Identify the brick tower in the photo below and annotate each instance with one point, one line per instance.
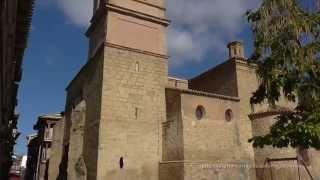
(123, 87)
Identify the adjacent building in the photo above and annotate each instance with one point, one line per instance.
(16, 169)
(15, 20)
(32, 157)
(43, 148)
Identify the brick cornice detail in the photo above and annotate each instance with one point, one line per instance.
(102, 11)
(206, 94)
(149, 4)
(109, 44)
(259, 115)
(137, 14)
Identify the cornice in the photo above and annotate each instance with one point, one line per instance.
(243, 62)
(206, 94)
(109, 44)
(263, 114)
(149, 4)
(137, 14)
(125, 11)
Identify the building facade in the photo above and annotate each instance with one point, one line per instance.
(16, 170)
(15, 20)
(43, 147)
(125, 118)
(32, 156)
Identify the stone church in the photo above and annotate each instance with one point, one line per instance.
(126, 119)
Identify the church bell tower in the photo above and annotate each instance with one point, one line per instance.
(135, 24)
(129, 38)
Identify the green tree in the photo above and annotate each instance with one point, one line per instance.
(287, 57)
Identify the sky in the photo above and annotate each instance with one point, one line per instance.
(57, 48)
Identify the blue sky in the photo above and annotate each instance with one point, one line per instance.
(57, 48)
(56, 51)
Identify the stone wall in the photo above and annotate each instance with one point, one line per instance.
(234, 77)
(56, 150)
(123, 85)
(210, 145)
(133, 109)
(177, 83)
(172, 130)
(173, 170)
(76, 165)
(137, 124)
(314, 157)
(212, 140)
(247, 83)
(287, 168)
(151, 7)
(85, 87)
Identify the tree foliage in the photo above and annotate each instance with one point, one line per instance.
(287, 55)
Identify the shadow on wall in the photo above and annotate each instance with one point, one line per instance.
(63, 174)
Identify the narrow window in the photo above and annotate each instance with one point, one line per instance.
(228, 115)
(200, 112)
(137, 66)
(121, 163)
(252, 108)
(235, 51)
(136, 111)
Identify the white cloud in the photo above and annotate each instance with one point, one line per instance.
(199, 26)
(209, 25)
(78, 12)
(186, 45)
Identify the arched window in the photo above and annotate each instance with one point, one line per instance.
(200, 112)
(121, 162)
(235, 51)
(228, 115)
